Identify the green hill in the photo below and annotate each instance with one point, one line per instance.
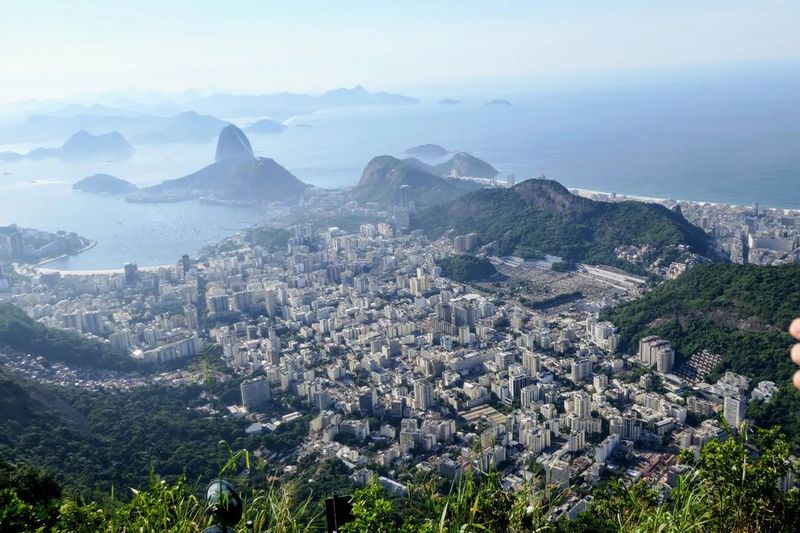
(541, 216)
(20, 333)
(387, 180)
(464, 268)
(740, 312)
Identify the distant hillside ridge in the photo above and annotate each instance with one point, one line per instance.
(541, 216)
(465, 165)
(389, 181)
(81, 145)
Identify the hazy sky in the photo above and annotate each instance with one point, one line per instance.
(52, 48)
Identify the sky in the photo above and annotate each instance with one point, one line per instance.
(55, 48)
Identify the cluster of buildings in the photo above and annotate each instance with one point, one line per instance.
(26, 244)
(745, 234)
(406, 371)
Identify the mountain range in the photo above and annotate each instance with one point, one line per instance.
(187, 118)
(540, 216)
(139, 128)
(236, 174)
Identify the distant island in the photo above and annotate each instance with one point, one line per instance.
(82, 145)
(427, 151)
(104, 184)
(266, 126)
(235, 176)
(499, 103)
(449, 101)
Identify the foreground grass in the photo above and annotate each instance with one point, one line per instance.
(728, 488)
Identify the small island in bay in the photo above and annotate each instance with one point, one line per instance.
(266, 127)
(499, 103)
(427, 151)
(104, 184)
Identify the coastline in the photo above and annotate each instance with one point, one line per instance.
(98, 272)
(92, 244)
(616, 197)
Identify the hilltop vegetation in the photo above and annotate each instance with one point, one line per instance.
(542, 217)
(271, 239)
(20, 333)
(464, 268)
(387, 180)
(740, 312)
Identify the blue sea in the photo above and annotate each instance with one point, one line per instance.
(722, 140)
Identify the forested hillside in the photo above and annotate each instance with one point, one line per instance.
(542, 217)
(741, 312)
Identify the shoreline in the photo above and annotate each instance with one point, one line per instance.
(587, 193)
(98, 271)
(92, 244)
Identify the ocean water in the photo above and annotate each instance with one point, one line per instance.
(721, 141)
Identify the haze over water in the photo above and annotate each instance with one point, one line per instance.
(721, 140)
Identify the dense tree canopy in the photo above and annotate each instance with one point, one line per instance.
(464, 268)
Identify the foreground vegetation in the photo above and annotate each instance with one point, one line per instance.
(729, 487)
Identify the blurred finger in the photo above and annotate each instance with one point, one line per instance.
(796, 354)
(796, 379)
(794, 328)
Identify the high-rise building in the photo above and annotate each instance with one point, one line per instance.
(628, 427)
(255, 392)
(131, 273)
(581, 369)
(73, 321)
(93, 322)
(423, 394)
(529, 395)
(576, 441)
(517, 379)
(600, 382)
(531, 362)
(735, 407)
(580, 405)
(655, 351)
